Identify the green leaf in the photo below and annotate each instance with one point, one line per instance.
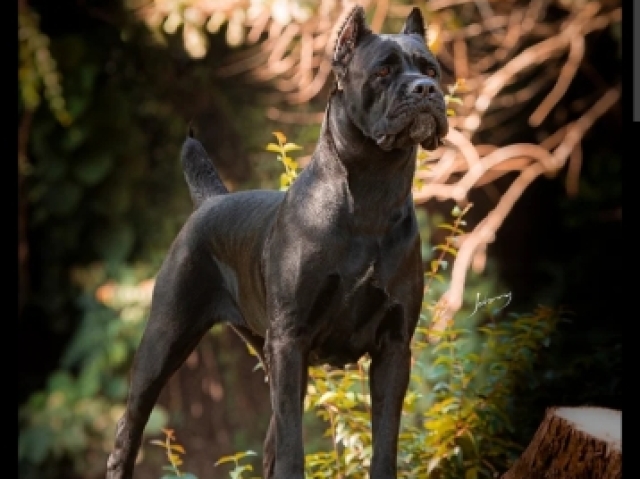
(450, 403)
(237, 472)
(452, 228)
(443, 360)
(290, 163)
(224, 460)
(93, 169)
(291, 147)
(434, 265)
(491, 331)
(326, 397)
(235, 457)
(116, 387)
(60, 380)
(446, 248)
(118, 353)
(88, 384)
(472, 358)
(441, 386)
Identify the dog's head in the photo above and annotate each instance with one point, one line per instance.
(390, 83)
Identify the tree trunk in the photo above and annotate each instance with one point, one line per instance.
(573, 443)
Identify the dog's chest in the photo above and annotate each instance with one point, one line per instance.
(352, 309)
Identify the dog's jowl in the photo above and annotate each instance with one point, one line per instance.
(322, 274)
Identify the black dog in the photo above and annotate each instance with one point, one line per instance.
(324, 273)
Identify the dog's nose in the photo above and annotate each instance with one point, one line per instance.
(422, 87)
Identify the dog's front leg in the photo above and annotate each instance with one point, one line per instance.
(288, 373)
(389, 378)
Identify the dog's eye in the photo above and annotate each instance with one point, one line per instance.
(383, 71)
(430, 72)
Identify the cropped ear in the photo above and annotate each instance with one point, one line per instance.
(351, 32)
(415, 23)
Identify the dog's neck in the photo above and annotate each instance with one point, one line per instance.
(379, 182)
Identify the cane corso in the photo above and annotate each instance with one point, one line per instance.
(324, 273)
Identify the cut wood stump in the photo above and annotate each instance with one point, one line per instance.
(573, 443)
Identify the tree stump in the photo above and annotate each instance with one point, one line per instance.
(573, 443)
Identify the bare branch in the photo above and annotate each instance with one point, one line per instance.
(532, 161)
(576, 54)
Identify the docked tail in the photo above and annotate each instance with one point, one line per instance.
(199, 172)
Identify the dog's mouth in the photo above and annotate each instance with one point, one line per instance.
(412, 125)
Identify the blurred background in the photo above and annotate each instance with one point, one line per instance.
(107, 90)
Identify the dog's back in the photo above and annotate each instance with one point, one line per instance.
(234, 226)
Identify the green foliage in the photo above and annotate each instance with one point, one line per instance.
(37, 70)
(173, 450)
(76, 412)
(238, 469)
(473, 376)
(290, 165)
(105, 196)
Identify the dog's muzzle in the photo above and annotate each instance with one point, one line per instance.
(419, 119)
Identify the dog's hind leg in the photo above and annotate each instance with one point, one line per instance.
(189, 297)
(269, 451)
